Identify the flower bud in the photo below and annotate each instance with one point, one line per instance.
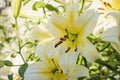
(16, 6)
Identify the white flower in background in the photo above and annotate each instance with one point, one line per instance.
(71, 31)
(104, 6)
(53, 69)
(4, 71)
(2, 3)
(112, 34)
(40, 34)
(27, 12)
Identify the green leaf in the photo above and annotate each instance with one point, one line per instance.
(1, 63)
(25, 2)
(10, 76)
(13, 55)
(95, 77)
(51, 8)
(22, 69)
(38, 5)
(8, 63)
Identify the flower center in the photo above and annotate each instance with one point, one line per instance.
(69, 36)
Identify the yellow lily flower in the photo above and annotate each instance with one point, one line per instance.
(54, 68)
(104, 6)
(71, 32)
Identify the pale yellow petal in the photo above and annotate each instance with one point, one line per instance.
(72, 13)
(67, 61)
(25, 13)
(92, 21)
(85, 22)
(111, 34)
(79, 71)
(89, 51)
(40, 34)
(116, 46)
(57, 24)
(37, 71)
(115, 14)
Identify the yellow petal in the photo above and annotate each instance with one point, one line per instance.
(38, 71)
(57, 24)
(40, 33)
(116, 4)
(72, 13)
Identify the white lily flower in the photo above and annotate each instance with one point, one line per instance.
(104, 6)
(112, 34)
(71, 31)
(54, 69)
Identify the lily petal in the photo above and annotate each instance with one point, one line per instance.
(80, 71)
(50, 47)
(72, 13)
(116, 46)
(115, 14)
(36, 72)
(92, 21)
(86, 22)
(111, 34)
(40, 33)
(89, 51)
(57, 24)
(67, 61)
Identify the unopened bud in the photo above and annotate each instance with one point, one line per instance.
(16, 6)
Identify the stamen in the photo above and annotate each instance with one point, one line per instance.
(75, 49)
(67, 49)
(105, 3)
(109, 5)
(101, 9)
(101, 13)
(61, 71)
(73, 40)
(62, 39)
(58, 43)
(66, 36)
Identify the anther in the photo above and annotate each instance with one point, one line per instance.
(61, 71)
(105, 3)
(65, 36)
(73, 40)
(101, 13)
(75, 49)
(109, 5)
(58, 43)
(62, 39)
(101, 9)
(67, 49)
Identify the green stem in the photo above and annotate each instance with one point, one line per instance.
(81, 9)
(44, 11)
(16, 25)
